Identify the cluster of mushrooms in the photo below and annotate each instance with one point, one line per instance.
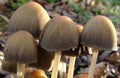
(36, 40)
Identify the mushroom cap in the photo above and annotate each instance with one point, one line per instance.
(75, 52)
(60, 33)
(44, 60)
(37, 74)
(21, 47)
(99, 32)
(30, 17)
(9, 66)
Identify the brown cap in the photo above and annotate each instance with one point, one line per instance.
(21, 47)
(44, 60)
(100, 32)
(30, 17)
(60, 33)
(9, 66)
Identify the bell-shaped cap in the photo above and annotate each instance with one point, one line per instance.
(60, 33)
(30, 17)
(21, 47)
(99, 32)
(76, 51)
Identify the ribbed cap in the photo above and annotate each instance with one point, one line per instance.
(30, 17)
(100, 32)
(60, 33)
(76, 51)
(9, 66)
(21, 47)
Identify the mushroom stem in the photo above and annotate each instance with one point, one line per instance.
(71, 67)
(56, 64)
(12, 75)
(20, 70)
(62, 69)
(93, 63)
(89, 50)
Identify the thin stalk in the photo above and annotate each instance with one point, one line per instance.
(20, 70)
(93, 64)
(71, 67)
(12, 75)
(56, 65)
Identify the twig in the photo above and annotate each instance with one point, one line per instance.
(4, 17)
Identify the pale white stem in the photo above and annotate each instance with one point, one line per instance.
(93, 64)
(23, 70)
(71, 67)
(12, 75)
(90, 50)
(56, 64)
(20, 70)
(62, 69)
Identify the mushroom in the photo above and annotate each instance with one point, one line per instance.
(72, 58)
(9, 67)
(99, 33)
(21, 48)
(30, 17)
(59, 34)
